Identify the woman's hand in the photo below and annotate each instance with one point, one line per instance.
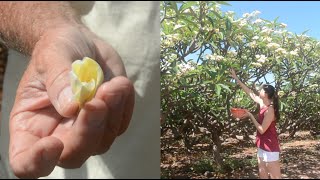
(233, 74)
(247, 114)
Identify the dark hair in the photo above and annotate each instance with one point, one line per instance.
(272, 94)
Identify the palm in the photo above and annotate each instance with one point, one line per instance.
(46, 126)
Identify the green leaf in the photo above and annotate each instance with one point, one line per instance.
(221, 35)
(185, 18)
(211, 20)
(174, 6)
(217, 14)
(183, 81)
(207, 82)
(275, 20)
(212, 74)
(187, 5)
(218, 89)
(228, 24)
(223, 3)
(304, 32)
(225, 87)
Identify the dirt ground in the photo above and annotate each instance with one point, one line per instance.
(300, 159)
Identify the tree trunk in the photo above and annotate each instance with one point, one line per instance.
(216, 148)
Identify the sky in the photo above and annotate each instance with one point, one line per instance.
(298, 15)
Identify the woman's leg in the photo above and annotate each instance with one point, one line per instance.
(263, 173)
(274, 169)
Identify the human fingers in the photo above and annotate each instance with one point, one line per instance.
(33, 157)
(118, 94)
(85, 135)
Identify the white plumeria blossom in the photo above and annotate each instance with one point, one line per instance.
(257, 21)
(314, 86)
(261, 58)
(283, 25)
(255, 37)
(281, 93)
(217, 57)
(279, 32)
(257, 64)
(269, 39)
(294, 53)
(255, 13)
(229, 13)
(273, 45)
(214, 57)
(307, 46)
(184, 67)
(281, 51)
(246, 15)
(86, 76)
(243, 22)
(253, 44)
(232, 52)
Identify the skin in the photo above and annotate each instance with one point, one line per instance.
(47, 128)
(273, 168)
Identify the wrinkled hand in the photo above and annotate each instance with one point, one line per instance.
(46, 126)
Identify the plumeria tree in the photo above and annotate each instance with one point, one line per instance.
(200, 43)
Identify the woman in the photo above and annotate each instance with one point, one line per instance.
(267, 138)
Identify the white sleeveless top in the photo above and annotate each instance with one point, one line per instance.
(133, 29)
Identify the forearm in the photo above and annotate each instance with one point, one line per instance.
(23, 23)
(256, 124)
(244, 87)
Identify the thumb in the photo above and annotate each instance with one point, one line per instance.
(60, 93)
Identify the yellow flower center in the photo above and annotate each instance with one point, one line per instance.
(86, 77)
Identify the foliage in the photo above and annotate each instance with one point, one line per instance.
(203, 165)
(200, 43)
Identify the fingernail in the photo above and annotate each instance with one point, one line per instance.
(65, 96)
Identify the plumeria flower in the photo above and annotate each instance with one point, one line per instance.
(246, 15)
(253, 44)
(257, 21)
(255, 13)
(256, 64)
(255, 37)
(86, 77)
(283, 25)
(281, 93)
(294, 53)
(281, 51)
(273, 45)
(217, 57)
(261, 58)
(232, 53)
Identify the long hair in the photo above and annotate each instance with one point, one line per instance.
(272, 94)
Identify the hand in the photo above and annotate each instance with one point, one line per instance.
(247, 114)
(46, 126)
(233, 74)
